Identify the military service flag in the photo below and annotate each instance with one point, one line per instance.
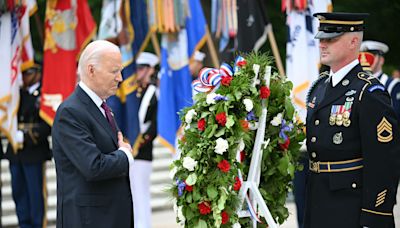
(69, 26)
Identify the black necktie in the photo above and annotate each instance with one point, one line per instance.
(109, 116)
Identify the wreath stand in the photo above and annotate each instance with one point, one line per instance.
(250, 186)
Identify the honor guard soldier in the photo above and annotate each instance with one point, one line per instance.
(379, 49)
(352, 135)
(27, 164)
(146, 79)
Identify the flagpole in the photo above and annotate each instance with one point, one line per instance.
(211, 48)
(156, 45)
(275, 51)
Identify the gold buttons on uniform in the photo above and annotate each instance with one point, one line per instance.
(313, 154)
(354, 185)
(313, 139)
(316, 122)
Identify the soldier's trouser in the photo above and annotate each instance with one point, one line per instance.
(27, 192)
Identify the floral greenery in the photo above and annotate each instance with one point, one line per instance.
(218, 138)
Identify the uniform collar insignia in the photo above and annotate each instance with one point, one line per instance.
(345, 82)
(350, 92)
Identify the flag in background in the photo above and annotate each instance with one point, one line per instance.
(126, 23)
(69, 26)
(15, 46)
(27, 49)
(175, 78)
(302, 51)
(252, 25)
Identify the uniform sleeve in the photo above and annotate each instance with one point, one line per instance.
(75, 141)
(151, 132)
(380, 149)
(38, 134)
(395, 94)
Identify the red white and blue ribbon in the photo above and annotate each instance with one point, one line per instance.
(239, 62)
(210, 78)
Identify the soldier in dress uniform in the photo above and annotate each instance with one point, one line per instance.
(352, 135)
(379, 49)
(27, 164)
(146, 76)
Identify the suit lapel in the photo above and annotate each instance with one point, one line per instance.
(338, 91)
(96, 114)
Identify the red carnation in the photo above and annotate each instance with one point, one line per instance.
(204, 208)
(201, 125)
(264, 92)
(225, 217)
(242, 155)
(285, 146)
(224, 166)
(237, 185)
(221, 118)
(226, 80)
(245, 125)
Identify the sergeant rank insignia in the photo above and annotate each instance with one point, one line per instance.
(384, 131)
(340, 114)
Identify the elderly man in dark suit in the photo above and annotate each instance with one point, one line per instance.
(352, 135)
(93, 163)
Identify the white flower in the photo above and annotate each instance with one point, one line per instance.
(236, 225)
(249, 104)
(189, 163)
(189, 116)
(240, 149)
(172, 172)
(211, 98)
(277, 120)
(221, 146)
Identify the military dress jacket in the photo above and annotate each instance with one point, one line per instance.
(353, 146)
(393, 87)
(36, 131)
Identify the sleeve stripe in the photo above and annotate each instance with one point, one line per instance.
(377, 212)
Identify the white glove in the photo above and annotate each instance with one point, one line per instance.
(19, 136)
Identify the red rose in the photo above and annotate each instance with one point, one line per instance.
(201, 125)
(224, 166)
(221, 118)
(245, 125)
(242, 155)
(285, 146)
(226, 80)
(264, 92)
(204, 208)
(189, 188)
(225, 217)
(237, 185)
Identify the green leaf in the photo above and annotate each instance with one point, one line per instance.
(196, 194)
(189, 198)
(210, 131)
(229, 122)
(191, 179)
(220, 132)
(212, 192)
(289, 108)
(201, 224)
(188, 213)
(283, 165)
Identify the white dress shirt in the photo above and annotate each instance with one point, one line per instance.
(340, 74)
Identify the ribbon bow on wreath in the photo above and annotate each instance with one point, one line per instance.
(210, 79)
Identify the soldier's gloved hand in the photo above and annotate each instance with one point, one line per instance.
(20, 136)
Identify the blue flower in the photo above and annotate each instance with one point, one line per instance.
(285, 128)
(251, 116)
(181, 186)
(220, 98)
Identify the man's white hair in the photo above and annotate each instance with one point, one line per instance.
(92, 53)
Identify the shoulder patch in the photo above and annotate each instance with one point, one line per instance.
(376, 87)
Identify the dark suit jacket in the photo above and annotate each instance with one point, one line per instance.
(361, 197)
(92, 174)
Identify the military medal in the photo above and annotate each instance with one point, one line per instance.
(332, 117)
(337, 138)
(339, 120)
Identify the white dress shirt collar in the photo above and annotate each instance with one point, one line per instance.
(340, 74)
(95, 98)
